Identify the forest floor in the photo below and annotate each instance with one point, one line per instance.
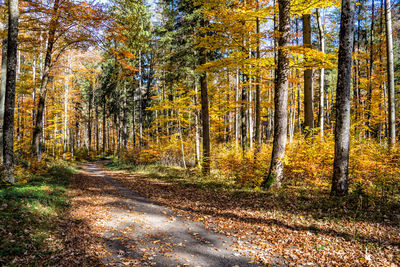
(107, 213)
(137, 231)
(290, 227)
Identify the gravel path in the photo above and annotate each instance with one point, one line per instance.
(142, 233)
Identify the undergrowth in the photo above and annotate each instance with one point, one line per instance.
(31, 210)
(374, 176)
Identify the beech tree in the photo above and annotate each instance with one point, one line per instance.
(275, 175)
(8, 128)
(340, 180)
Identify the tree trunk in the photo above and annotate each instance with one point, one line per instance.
(370, 71)
(125, 121)
(308, 78)
(237, 109)
(205, 112)
(243, 117)
(275, 175)
(258, 90)
(321, 113)
(390, 75)
(3, 87)
(38, 129)
(250, 115)
(9, 104)
(89, 124)
(342, 129)
(197, 134)
(104, 128)
(140, 102)
(65, 147)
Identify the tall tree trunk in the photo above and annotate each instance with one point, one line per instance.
(8, 128)
(390, 75)
(250, 115)
(134, 121)
(205, 112)
(321, 113)
(243, 111)
(65, 147)
(125, 121)
(89, 123)
(197, 134)
(38, 129)
(275, 174)
(371, 64)
(298, 84)
(140, 102)
(308, 77)
(96, 112)
(3, 87)
(237, 109)
(258, 89)
(104, 127)
(340, 178)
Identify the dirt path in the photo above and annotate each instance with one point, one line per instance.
(141, 232)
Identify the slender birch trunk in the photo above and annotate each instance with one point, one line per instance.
(390, 75)
(321, 113)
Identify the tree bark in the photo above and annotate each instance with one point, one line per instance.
(237, 109)
(308, 78)
(125, 120)
(89, 124)
(65, 147)
(3, 87)
(390, 75)
(197, 134)
(321, 113)
(243, 117)
(275, 175)
(370, 71)
(340, 178)
(9, 104)
(140, 102)
(104, 127)
(205, 112)
(258, 90)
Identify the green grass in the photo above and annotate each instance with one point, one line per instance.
(29, 215)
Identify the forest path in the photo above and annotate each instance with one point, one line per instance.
(141, 232)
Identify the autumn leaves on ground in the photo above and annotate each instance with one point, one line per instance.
(58, 218)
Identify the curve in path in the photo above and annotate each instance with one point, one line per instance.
(143, 233)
